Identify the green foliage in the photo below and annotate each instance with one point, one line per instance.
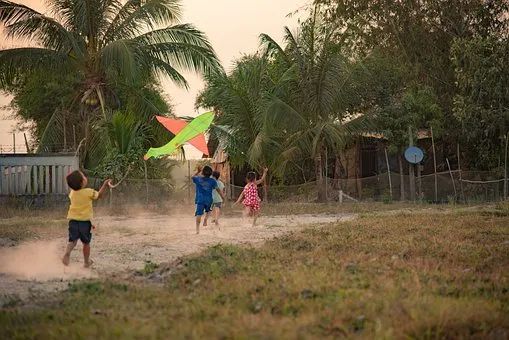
(446, 49)
(285, 107)
(112, 51)
(149, 268)
(37, 97)
(125, 148)
(482, 102)
(241, 98)
(416, 108)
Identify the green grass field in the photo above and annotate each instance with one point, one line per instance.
(429, 275)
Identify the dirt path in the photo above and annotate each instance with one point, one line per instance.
(125, 244)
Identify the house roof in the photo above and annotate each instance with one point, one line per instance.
(421, 134)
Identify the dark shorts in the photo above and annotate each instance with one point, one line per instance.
(80, 230)
(202, 207)
(217, 205)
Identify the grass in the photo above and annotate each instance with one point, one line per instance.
(424, 276)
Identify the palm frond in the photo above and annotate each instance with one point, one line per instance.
(18, 62)
(136, 17)
(53, 133)
(22, 22)
(120, 56)
(11, 12)
(182, 45)
(272, 48)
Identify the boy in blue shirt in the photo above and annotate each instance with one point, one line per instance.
(203, 199)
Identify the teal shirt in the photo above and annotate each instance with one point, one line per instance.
(215, 195)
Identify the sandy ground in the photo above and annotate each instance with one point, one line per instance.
(33, 268)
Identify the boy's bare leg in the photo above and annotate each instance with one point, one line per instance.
(67, 256)
(217, 213)
(86, 255)
(198, 221)
(205, 220)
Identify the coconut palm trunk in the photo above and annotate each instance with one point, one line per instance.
(320, 183)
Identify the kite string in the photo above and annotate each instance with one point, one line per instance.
(113, 186)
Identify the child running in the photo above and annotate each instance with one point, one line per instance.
(249, 195)
(217, 200)
(203, 199)
(80, 213)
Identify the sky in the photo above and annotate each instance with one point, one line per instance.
(232, 26)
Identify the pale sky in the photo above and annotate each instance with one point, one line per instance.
(232, 26)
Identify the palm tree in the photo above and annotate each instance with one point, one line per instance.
(315, 103)
(108, 43)
(240, 99)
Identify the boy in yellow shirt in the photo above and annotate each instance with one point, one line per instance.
(80, 213)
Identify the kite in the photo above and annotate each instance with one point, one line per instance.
(191, 133)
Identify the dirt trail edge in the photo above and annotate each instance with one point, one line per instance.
(120, 244)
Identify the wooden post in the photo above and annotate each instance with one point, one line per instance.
(326, 176)
(146, 182)
(41, 179)
(341, 196)
(401, 178)
(231, 183)
(434, 165)
(411, 167)
(189, 182)
(64, 131)
(419, 181)
(111, 197)
(29, 179)
(35, 170)
(459, 169)
(54, 179)
(388, 172)
(46, 183)
(452, 177)
(505, 166)
(26, 142)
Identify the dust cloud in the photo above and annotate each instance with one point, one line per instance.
(41, 261)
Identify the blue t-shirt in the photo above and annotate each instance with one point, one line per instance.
(204, 188)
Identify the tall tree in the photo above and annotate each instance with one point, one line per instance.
(313, 110)
(106, 44)
(420, 37)
(482, 102)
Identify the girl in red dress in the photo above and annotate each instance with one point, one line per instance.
(249, 195)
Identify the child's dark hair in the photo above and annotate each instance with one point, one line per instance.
(251, 176)
(75, 180)
(216, 174)
(207, 171)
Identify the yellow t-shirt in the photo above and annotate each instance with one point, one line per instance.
(81, 204)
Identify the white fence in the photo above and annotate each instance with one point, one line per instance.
(35, 174)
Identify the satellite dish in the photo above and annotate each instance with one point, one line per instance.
(414, 155)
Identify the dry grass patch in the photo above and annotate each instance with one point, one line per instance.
(400, 276)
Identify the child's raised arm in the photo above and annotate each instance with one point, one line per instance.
(106, 184)
(198, 170)
(260, 181)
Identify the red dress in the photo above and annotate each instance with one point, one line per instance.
(251, 199)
